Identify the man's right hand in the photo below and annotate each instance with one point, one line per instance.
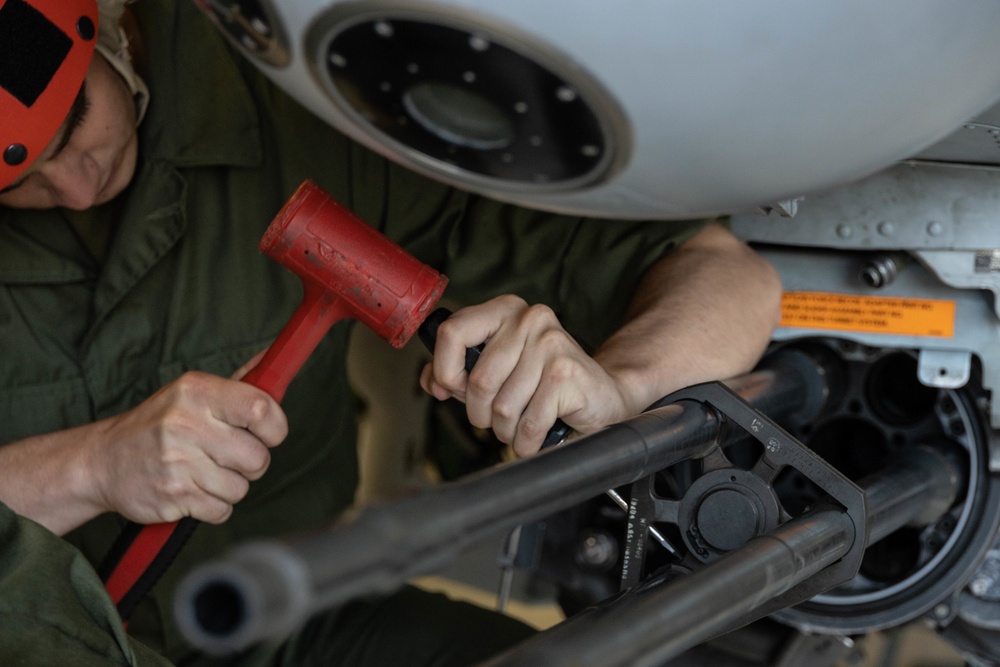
(191, 449)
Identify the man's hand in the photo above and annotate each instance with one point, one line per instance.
(191, 449)
(530, 372)
(703, 312)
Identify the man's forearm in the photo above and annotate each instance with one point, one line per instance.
(45, 478)
(704, 312)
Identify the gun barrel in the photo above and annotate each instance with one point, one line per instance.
(265, 589)
(662, 618)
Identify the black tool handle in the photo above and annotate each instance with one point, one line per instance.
(428, 335)
(139, 557)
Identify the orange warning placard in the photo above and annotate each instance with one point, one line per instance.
(868, 314)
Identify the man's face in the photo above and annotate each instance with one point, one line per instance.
(92, 157)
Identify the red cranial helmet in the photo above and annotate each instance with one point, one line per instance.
(45, 50)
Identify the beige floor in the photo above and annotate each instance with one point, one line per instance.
(911, 646)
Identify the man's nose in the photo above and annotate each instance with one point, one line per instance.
(75, 179)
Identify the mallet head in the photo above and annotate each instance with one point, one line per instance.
(329, 247)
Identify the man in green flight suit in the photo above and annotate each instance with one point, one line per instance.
(139, 172)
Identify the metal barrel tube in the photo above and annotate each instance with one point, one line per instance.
(265, 589)
(658, 622)
(661, 619)
(917, 490)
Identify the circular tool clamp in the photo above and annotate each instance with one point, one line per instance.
(725, 504)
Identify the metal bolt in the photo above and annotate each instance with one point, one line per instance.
(565, 94)
(260, 27)
(597, 550)
(880, 270)
(979, 586)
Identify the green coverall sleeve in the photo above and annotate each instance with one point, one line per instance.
(53, 607)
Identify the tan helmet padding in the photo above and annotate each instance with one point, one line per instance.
(112, 43)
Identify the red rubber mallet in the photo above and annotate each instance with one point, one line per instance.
(349, 271)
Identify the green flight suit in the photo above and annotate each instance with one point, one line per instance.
(67, 621)
(182, 286)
